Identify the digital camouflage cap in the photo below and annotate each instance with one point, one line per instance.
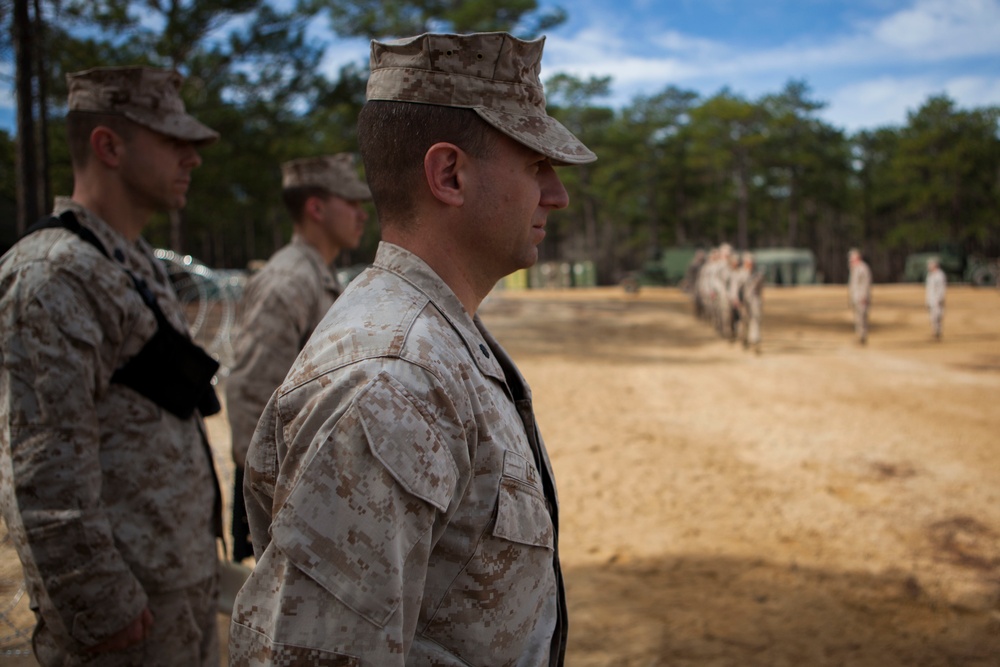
(335, 173)
(145, 95)
(494, 74)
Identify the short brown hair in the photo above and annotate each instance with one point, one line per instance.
(81, 124)
(295, 199)
(394, 137)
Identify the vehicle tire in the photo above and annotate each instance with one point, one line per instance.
(984, 276)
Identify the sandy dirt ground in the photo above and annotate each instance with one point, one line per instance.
(821, 503)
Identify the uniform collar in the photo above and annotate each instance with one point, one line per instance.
(409, 267)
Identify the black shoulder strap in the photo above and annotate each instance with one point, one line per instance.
(67, 220)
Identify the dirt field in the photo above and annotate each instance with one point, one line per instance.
(819, 504)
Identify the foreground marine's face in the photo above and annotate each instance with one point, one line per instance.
(516, 189)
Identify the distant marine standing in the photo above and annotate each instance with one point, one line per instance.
(935, 287)
(286, 299)
(751, 291)
(859, 291)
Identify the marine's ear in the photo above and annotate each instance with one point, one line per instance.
(107, 145)
(445, 168)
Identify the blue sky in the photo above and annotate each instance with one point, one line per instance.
(869, 61)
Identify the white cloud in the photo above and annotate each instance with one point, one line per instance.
(888, 57)
(936, 29)
(887, 101)
(876, 102)
(974, 91)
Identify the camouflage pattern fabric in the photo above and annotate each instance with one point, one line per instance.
(184, 634)
(109, 499)
(493, 73)
(282, 305)
(400, 498)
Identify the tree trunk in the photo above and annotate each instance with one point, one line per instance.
(44, 179)
(28, 210)
(250, 246)
(742, 203)
(794, 210)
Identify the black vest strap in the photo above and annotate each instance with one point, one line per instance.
(67, 220)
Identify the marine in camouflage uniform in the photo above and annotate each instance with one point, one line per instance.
(401, 500)
(859, 286)
(720, 292)
(751, 291)
(706, 280)
(935, 288)
(734, 286)
(286, 299)
(110, 499)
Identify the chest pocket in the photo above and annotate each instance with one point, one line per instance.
(522, 511)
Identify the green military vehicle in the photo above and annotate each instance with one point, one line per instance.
(668, 267)
(957, 265)
(783, 266)
(787, 266)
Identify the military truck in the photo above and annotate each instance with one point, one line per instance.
(957, 265)
(783, 266)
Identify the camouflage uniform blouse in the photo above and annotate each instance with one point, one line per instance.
(106, 495)
(282, 305)
(399, 495)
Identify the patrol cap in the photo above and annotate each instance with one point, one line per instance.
(335, 173)
(492, 73)
(145, 95)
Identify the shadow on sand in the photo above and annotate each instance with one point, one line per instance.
(717, 611)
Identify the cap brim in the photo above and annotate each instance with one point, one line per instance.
(540, 133)
(356, 191)
(178, 126)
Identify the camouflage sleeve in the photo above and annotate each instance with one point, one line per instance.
(352, 537)
(270, 336)
(53, 368)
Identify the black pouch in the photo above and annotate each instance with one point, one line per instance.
(171, 370)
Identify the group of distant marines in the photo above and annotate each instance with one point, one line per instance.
(727, 289)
